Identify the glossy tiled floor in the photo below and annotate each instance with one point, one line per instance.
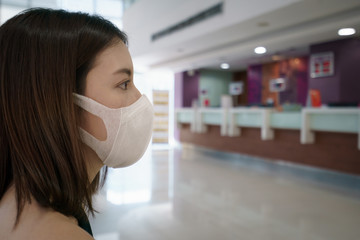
(191, 193)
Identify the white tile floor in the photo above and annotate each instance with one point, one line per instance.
(191, 193)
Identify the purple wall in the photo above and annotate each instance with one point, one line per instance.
(178, 99)
(186, 88)
(178, 89)
(190, 87)
(350, 71)
(344, 85)
(302, 77)
(254, 80)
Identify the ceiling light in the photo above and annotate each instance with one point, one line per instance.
(346, 31)
(225, 66)
(260, 50)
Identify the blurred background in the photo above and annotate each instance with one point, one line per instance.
(257, 119)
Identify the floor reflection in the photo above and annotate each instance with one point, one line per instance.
(189, 193)
(130, 185)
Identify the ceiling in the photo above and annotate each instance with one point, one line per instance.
(285, 27)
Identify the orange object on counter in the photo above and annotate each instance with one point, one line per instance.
(315, 98)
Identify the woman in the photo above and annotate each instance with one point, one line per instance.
(68, 106)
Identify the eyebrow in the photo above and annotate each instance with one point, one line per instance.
(123, 70)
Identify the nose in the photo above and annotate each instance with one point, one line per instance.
(136, 95)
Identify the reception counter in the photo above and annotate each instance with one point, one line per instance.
(321, 137)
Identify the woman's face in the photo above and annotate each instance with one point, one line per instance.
(109, 82)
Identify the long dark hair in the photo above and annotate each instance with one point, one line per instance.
(45, 56)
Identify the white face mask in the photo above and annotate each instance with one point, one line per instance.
(128, 130)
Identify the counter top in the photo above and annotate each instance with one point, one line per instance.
(308, 120)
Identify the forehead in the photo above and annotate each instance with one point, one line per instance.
(113, 57)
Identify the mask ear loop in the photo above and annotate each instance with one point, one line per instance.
(110, 117)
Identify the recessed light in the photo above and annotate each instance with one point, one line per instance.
(190, 73)
(260, 50)
(225, 66)
(346, 31)
(276, 57)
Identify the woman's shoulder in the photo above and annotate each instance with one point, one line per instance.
(36, 222)
(47, 225)
(57, 226)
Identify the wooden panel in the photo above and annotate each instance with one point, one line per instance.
(334, 151)
(241, 100)
(269, 71)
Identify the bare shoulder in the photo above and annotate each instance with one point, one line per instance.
(66, 232)
(50, 225)
(57, 226)
(36, 222)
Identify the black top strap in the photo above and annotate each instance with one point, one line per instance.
(84, 223)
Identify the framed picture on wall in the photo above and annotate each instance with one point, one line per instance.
(322, 65)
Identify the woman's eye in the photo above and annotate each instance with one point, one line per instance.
(124, 85)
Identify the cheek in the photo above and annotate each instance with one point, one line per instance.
(93, 125)
(117, 98)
